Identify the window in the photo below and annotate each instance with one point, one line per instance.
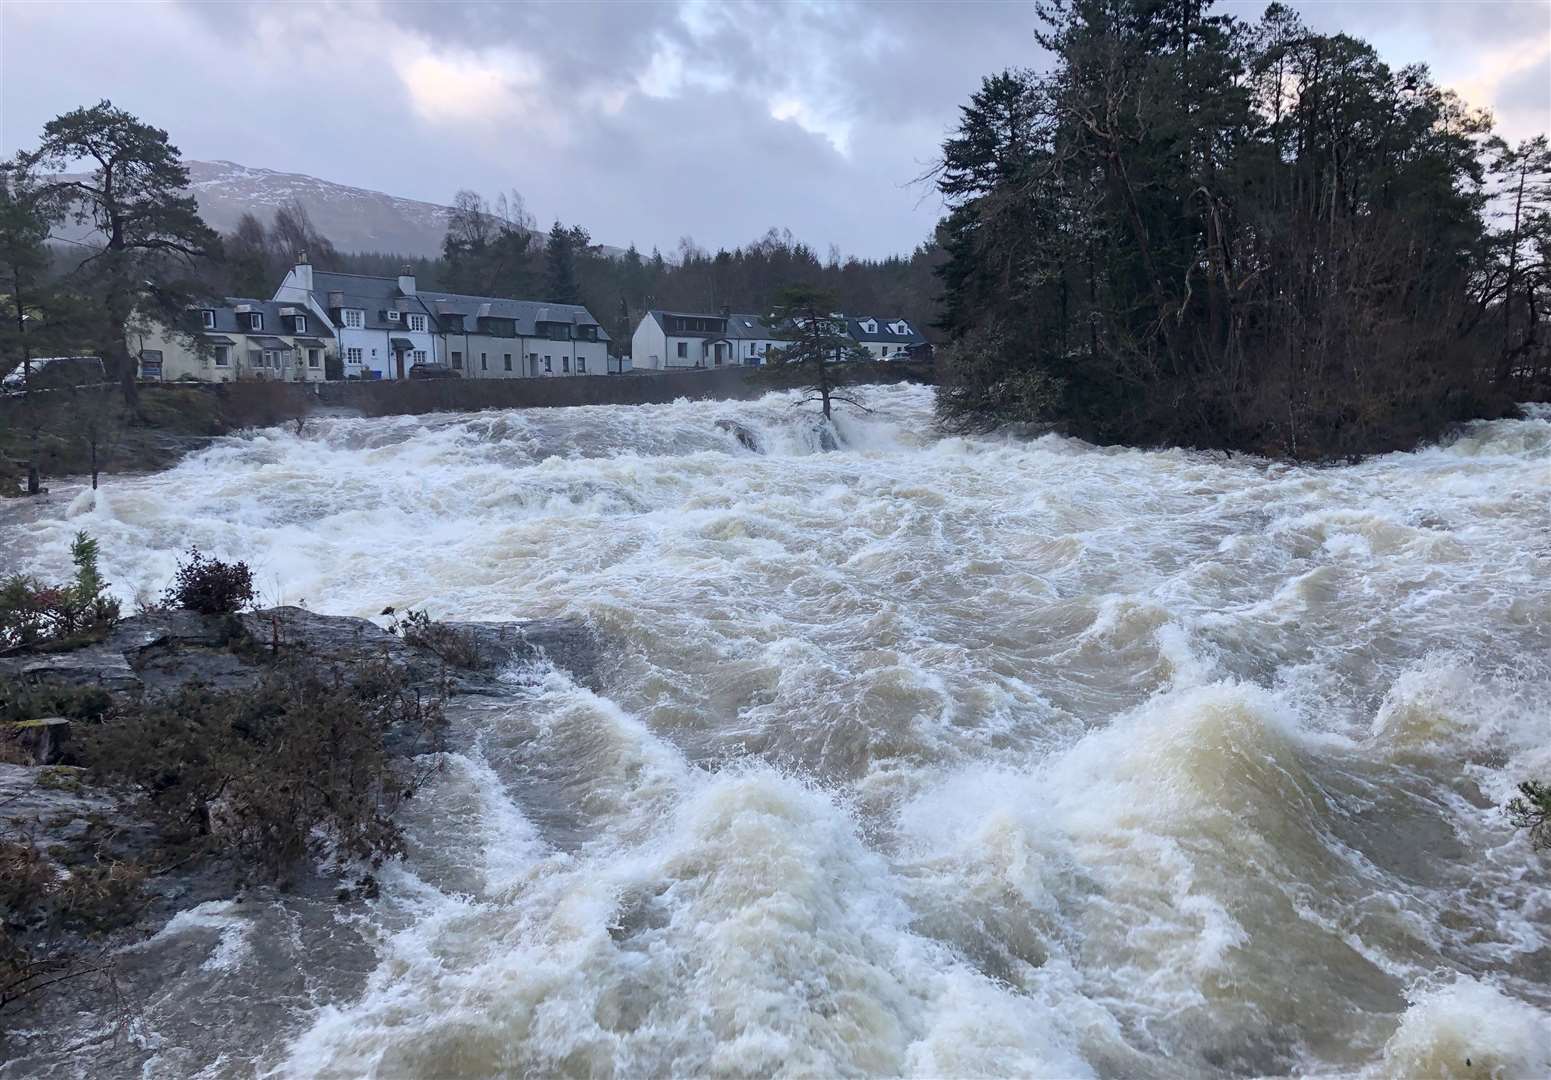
(885, 350)
(581, 365)
(353, 356)
(151, 364)
(272, 358)
(301, 324)
(547, 367)
(419, 356)
(484, 362)
(565, 365)
(393, 316)
(751, 348)
(208, 318)
(255, 320)
(457, 361)
(417, 322)
(314, 357)
(508, 361)
(354, 318)
(223, 356)
(683, 350)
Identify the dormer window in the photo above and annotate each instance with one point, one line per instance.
(255, 320)
(869, 327)
(301, 324)
(354, 318)
(417, 322)
(393, 316)
(207, 317)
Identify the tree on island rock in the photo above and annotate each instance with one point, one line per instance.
(817, 345)
(146, 224)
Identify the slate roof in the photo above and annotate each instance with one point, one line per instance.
(883, 335)
(371, 294)
(227, 322)
(739, 326)
(527, 314)
(378, 294)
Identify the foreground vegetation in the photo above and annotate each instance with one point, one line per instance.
(1195, 230)
(305, 765)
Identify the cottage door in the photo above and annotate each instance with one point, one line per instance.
(398, 362)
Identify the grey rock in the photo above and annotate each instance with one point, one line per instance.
(42, 739)
(749, 440)
(159, 652)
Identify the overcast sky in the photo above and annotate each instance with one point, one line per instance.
(645, 122)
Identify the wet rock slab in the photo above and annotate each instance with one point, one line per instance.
(159, 652)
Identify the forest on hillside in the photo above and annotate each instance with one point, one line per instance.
(1195, 230)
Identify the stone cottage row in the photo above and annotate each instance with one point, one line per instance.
(321, 325)
(362, 327)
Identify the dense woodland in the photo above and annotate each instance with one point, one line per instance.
(1195, 230)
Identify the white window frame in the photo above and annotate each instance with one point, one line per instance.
(354, 318)
(581, 365)
(301, 324)
(417, 323)
(393, 315)
(207, 316)
(352, 355)
(506, 361)
(314, 358)
(223, 356)
(549, 368)
(255, 320)
(418, 356)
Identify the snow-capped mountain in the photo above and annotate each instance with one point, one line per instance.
(355, 219)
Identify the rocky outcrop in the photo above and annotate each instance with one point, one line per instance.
(159, 652)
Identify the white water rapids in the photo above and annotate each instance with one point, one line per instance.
(931, 756)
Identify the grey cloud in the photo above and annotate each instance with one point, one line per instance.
(708, 159)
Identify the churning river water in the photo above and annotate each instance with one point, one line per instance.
(930, 756)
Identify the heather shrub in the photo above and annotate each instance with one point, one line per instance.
(295, 768)
(210, 586)
(47, 910)
(453, 646)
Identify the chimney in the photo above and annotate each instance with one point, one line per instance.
(407, 280)
(303, 273)
(726, 312)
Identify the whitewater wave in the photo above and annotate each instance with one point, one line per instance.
(921, 755)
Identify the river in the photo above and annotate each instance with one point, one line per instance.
(933, 756)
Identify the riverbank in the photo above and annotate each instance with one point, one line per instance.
(82, 428)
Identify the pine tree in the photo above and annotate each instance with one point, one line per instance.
(136, 197)
(817, 345)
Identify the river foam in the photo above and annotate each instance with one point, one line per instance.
(930, 756)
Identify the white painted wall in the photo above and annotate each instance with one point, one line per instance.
(648, 346)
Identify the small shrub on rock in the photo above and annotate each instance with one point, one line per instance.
(35, 614)
(453, 646)
(210, 586)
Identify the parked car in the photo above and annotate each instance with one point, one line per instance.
(433, 371)
(55, 372)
